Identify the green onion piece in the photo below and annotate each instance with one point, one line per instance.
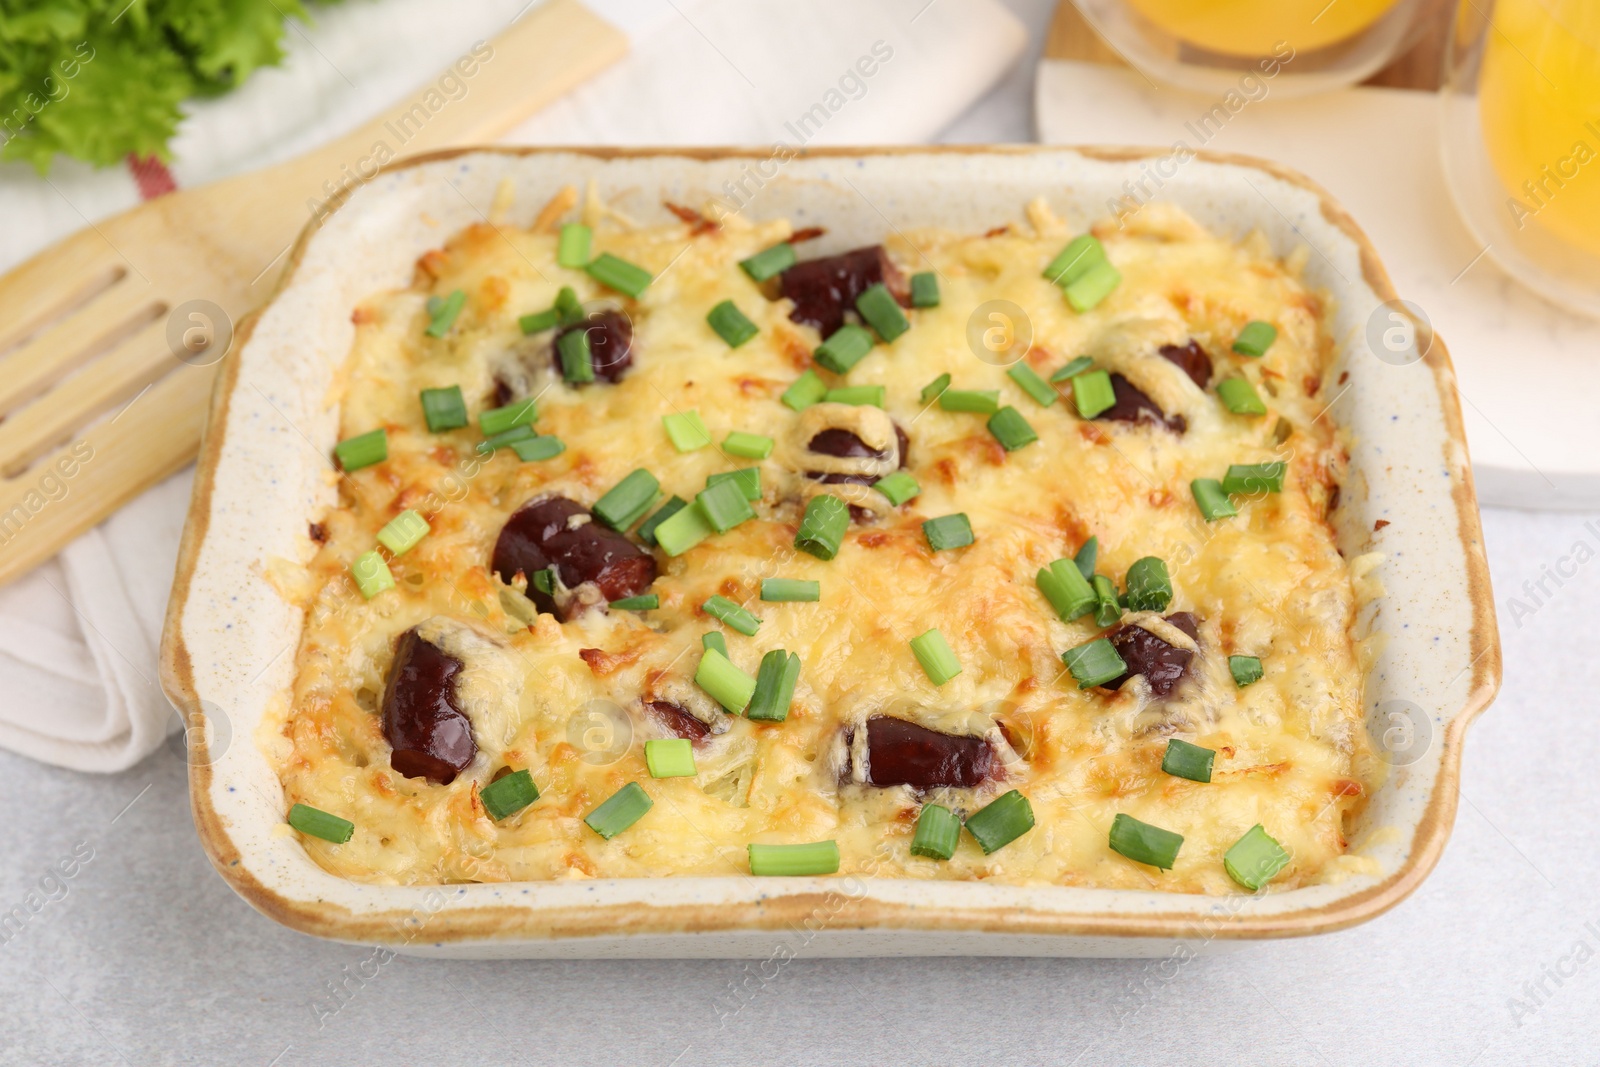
(938, 831)
(939, 663)
(568, 306)
(1029, 382)
(1068, 591)
(1088, 553)
(821, 857)
(1255, 859)
(747, 445)
(986, 402)
(1073, 368)
(363, 450)
(1211, 500)
(401, 533)
(713, 639)
(804, 391)
(684, 529)
(724, 506)
(371, 574)
(444, 409)
(642, 602)
(948, 531)
(1011, 429)
(790, 590)
(314, 822)
(647, 532)
(1149, 586)
(1143, 843)
(726, 684)
(859, 395)
(1085, 293)
(1245, 669)
(1109, 608)
(731, 615)
(1081, 254)
(510, 438)
(1255, 338)
(823, 527)
(1094, 663)
(1183, 760)
(844, 349)
(898, 487)
(730, 324)
(627, 501)
(877, 305)
(925, 290)
(577, 362)
(543, 580)
(572, 250)
(775, 682)
(540, 321)
(507, 795)
(1241, 397)
(621, 810)
(1001, 821)
(1250, 479)
(685, 430)
(618, 274)
(932, 390)
(442, 312)
(748, 479)
(769, 262)
(671, 757)
(1092, 393)
(546, 446)
(499, 420)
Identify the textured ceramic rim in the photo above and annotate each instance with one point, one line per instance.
(780, 910)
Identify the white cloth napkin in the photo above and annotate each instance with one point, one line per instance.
(79, 635)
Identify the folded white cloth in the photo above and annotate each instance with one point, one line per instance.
(79, 635)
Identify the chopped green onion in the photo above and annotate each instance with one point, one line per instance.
(948, 531)
(724, 506)
(544, 580)
(844, 349)
(938, 831)
(1241, 397)
(1088, 553)
(577, 361)
(511, 438)
(363, 450)
(823, 527)
(1011, 429)
(898, 487)
(1094, 663)
(618, 274)
(748, 479)
(1211, 500)
(858, 395)
(499, 420)
(1255, 859)
(713, 639)
(1001, 821)
(1252, 478)
(509, 794)
(731, 615)
(1092, 392)
(621, 810)
(647, 532)
(685, 430)
(627, 501)
(877, 305)
(1143, 843)
(642, 602)
(775, 682)
(730, 324)
(820, 857)
(1255, 338)
(671, 757)
(925, 290)
(932, 390)
(1108, 608)
(401, 533)
(1245, 669)
(314, 822)
(442, 312)
(1074, 367)
(568, 306)
(790, 590)
(1080, 255)
(682, 530)
(985, 402)
(1183, 760)
(540, 321)
(769, 262)
(546, 446)
(1029, 382)
(572, 250)
(804, 391)
(1149, 586)
(444, 409)
(1068, 591)
(934, 654)
(727, 684)
(1097, 284)
(371, 574)
(748, 445)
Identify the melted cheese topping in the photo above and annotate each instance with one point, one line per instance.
(564, 700)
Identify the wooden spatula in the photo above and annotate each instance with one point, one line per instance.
(109, 339)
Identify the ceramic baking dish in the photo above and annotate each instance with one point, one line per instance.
(228, 651)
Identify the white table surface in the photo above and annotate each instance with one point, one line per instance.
(148, 958)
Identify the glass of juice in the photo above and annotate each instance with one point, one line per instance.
(1521, 140)
(1302, 45)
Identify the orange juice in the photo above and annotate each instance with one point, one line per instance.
(1254, 27)
(1539, 102)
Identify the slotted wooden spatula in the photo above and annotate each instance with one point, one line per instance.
(109, 340)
